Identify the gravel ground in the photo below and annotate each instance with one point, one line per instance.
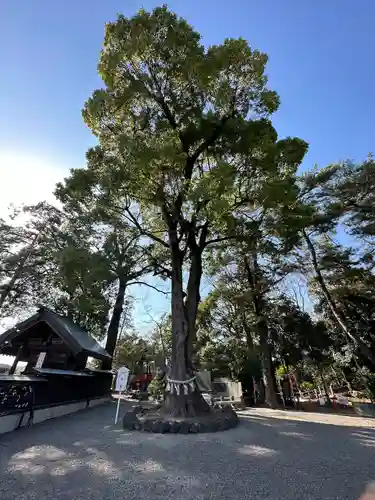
(270, 455)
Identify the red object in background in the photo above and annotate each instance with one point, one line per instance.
(141, 381)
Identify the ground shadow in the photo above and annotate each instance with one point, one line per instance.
(85, 457)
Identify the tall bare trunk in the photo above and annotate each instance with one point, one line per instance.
(269, 379)
(193, 295)
(325, 387)
(336, 313)
(191, 304)
(268, 369)
(114, 325)
(248, 334)
(179, 323)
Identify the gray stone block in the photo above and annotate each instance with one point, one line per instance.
(152, 421)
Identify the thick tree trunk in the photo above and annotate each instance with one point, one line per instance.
(182, 399)
(268, 370)
(325, 387)
(114, 325)
(249, 336)
(269, 379)
(336, 313)
(192, 302)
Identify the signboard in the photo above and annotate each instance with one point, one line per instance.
(122, 379)
(121, 385)
(203, 379)
(40, 360)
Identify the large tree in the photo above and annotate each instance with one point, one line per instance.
(183, 134)
(239, 304)
(262, 256)
(52, 263)
(95, 267)
(317, 217)
(353, 192)
(350, 286)
(74, 261)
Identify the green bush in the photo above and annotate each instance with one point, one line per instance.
(307, 386)
(156, 389)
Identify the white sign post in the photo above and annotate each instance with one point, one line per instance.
(121, 384)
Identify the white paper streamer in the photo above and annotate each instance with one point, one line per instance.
(180, 386)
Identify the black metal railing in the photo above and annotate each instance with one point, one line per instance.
(19, 394)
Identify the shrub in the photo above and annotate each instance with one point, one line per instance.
(156, 388)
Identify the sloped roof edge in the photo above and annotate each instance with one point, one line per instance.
(75, 337)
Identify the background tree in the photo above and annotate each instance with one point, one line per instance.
(133, 352)
(317, 217)
(15, 249)
(78, 264)
(61, 271)
(353, 193)
(256, 263)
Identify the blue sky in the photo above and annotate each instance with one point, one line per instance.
(321, 63)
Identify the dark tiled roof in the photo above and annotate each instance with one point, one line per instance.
(73, 335)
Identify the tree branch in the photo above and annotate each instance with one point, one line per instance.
(162, 270)
(208, 142)
(274, 283)
(144, 270)
(190, 161)
(165, 108)
(203, 236)
(150, 286)
(143, 231)
(219, 240)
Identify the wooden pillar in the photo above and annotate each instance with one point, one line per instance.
(16, 359)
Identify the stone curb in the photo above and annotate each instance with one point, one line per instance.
(149, 421)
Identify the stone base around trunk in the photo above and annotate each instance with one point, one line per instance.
(153, 420)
